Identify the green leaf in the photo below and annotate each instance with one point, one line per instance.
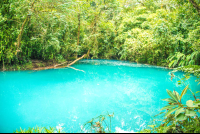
(179, 81)
(152, 126)
(184, 91)
(181, 116)
(169, 100)
(22, 131)
(188, 57)
(194, 54)
(191, 62)
(197, 102)
(171, 111)
(189, 103)
(159, 114)
(176, 61)
(170, 64)
(182, 63)
(177, 95)
(190, 112)
(178, 111)
(172, 95)
(168, 107)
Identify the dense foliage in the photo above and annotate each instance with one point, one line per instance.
(159, 32)
(99, 124)
(178, 117)
(156, 32)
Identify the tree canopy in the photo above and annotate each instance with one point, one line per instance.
(159, 32)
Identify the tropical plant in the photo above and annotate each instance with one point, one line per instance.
(179, 117)
(99, 124)
(39, 130)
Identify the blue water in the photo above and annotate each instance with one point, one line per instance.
(72, 97)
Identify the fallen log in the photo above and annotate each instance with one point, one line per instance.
(77, 60)
(56, 66)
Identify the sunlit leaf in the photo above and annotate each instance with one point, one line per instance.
(169, 100)
(171, 111)
(171, 95)
(197, 103)
(171, 63)
(177, 95)
(181, 116)
(184, 91)
(178, 111)
(168, 107)
(189, 103)
(152, 126)
(190, 112)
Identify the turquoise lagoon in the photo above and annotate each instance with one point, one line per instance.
(67, 97)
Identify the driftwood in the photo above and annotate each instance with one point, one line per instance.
(57, 66)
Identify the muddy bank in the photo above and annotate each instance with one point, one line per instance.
(31, 65)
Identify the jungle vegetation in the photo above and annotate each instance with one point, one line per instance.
(157, 32)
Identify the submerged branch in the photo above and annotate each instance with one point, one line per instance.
(71, 68)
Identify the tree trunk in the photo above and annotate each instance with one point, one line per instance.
(78, 35)
(22, 28)
(21, 32)
(195, 6)
(95, 40)
(3, 65)
(56, 66)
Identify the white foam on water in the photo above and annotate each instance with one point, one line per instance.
(59, 127)
(119, 130)
(83, 129)
(122, 123)
(136, 117)
(117, 63)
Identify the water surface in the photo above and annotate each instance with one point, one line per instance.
(72, 97)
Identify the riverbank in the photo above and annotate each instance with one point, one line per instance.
(31, 65)
(34, 64)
